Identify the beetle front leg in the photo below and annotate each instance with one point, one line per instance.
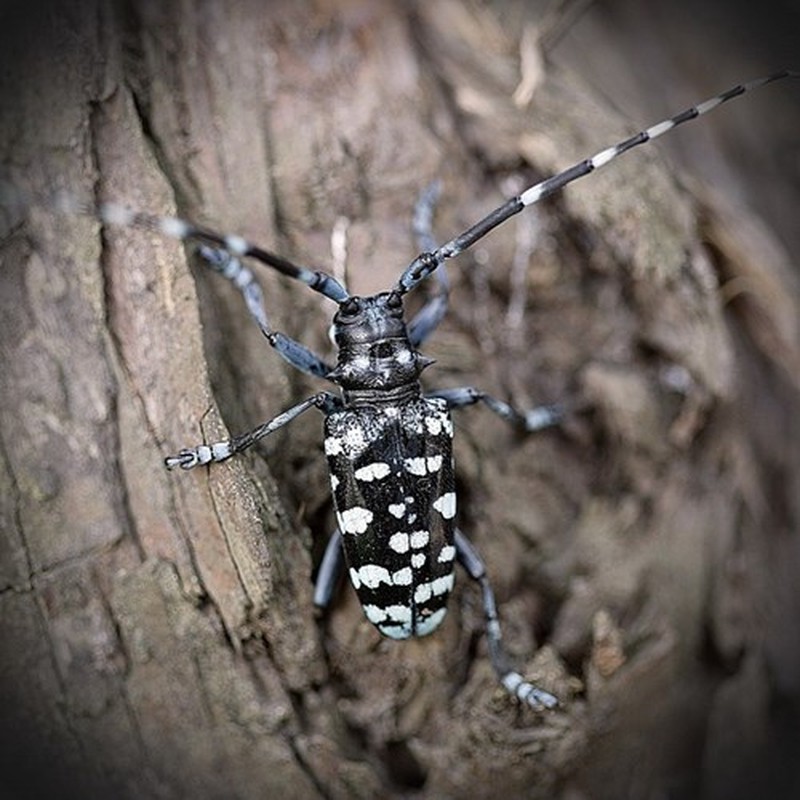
(296, 354)
(202, 454)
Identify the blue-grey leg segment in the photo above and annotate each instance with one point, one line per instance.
(513, 682)
(220, 451)
(430, 315)
(330, 571)
(534, 419)
(298, 355)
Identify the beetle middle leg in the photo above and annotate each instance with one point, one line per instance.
(530, 420)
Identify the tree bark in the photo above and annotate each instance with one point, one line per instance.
(160, 639)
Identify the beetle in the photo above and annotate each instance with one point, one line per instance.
(388, 444)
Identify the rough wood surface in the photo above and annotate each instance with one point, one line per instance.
(159, 636)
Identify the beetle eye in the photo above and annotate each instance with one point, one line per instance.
(350, 307)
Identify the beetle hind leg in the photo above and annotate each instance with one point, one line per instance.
(330, 571)
(512, 681)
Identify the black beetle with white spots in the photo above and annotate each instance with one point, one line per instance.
(389, 444)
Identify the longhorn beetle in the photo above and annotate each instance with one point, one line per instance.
(388, 445)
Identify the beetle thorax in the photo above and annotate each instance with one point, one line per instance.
(375, 353)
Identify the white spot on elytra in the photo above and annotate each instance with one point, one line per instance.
(422, 593)
(419, 539)
(433, 588)
(399, 613)
(371, 575)
(395, 631)
(430, 623)
(354, 578)
(446, 505)
(355, 520)
(434, 463)
(443, 584)
(399, 542)
(402, 577)
(334, 482)
(447, 553)
(417, 560)
(373, 472)
(395, 620)
(375, 614)
(416, 466)
(397, 509)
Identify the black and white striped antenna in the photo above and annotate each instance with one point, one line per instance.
(429, 261)
(426, 263)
